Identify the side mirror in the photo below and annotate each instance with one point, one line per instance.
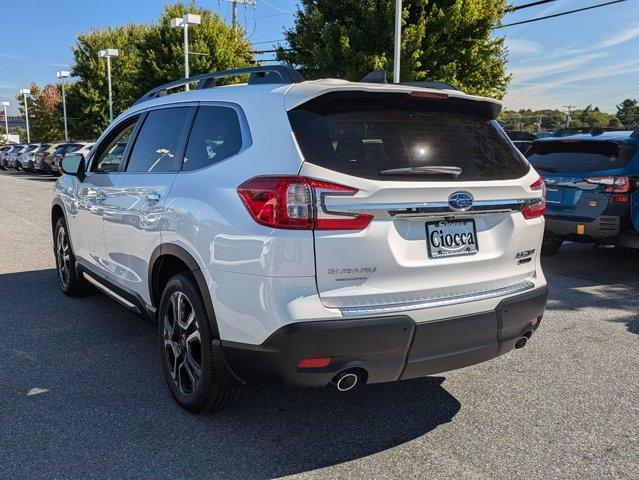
(73, 165)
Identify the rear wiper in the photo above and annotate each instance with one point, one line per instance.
(545, 168)
(424, 170)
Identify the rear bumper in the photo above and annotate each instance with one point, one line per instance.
(603, 228)
(387, 348)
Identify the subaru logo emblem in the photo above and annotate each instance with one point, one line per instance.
(460, 201)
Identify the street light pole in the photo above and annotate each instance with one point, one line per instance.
(6, 121)
(184, 22)
(25, 92)
(62, 75)
(108, 53)
(398, 40)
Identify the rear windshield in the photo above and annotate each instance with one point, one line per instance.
(42, 148)
(569, 156)
(73, 148)
(367, 135)
(61, 149)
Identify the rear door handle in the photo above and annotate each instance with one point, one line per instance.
(153, 198)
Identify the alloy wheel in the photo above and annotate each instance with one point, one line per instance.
(63, 257)
(182, 344)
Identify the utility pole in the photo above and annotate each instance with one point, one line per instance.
(24, 92)
(108, 53)
(6, 121)
(398, 40)
(234, 9)
(184, 22)
(569, 108)
(62, 75)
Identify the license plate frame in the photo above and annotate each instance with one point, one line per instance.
(468, 227)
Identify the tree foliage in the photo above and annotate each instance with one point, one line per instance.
(442, 40)
(529, 120)
(149, 55)
(628, 112)
(45, 120)
(213, 45)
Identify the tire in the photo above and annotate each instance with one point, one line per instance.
(186, 350)
(71, 283)
(550, 246)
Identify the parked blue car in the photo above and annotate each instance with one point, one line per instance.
(592, 195)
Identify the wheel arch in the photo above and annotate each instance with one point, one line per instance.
(166, 260)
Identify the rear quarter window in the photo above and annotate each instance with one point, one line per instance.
(366, 134)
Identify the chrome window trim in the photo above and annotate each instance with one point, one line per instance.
(423, 209)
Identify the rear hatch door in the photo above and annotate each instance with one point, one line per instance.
(580, 175)
(444, 187)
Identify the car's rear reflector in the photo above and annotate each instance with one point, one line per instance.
(314, 362)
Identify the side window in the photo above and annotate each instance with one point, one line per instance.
(215, 135)
(109, 154)
(156, 146)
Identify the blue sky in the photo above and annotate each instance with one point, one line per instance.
(590, 57)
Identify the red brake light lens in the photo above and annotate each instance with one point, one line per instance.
(536, 207)
(613, 184)
(289, 202)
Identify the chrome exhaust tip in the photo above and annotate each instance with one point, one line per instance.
(346, 381)
(521, 343)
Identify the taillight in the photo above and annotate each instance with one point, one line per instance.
(612, 184)
(289, 202)
(535, 208)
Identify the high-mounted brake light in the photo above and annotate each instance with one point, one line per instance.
(430, 95)
(536, 207)
(290, 202)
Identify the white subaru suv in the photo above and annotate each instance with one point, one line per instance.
(307, 232)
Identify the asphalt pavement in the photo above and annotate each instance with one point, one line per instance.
(82, 395)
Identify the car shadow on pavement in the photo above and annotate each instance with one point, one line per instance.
(83, 396)
(580, 277)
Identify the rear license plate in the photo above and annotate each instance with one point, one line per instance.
(451, 238)
(554, 195)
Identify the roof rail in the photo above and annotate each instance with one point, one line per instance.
(269, 74)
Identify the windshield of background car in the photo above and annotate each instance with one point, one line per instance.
(576, 156)
(367, 134)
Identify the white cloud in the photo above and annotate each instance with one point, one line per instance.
(520, 46)
(27, 59)
(620, 37)
(526, 73)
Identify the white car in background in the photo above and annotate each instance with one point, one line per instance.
(80, 148)
(308, 232)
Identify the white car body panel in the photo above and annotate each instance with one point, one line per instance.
(261, 278)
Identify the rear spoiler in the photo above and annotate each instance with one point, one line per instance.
(337, 100)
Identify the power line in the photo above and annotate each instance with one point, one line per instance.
(269, 41)
(527, 5)
(559, 14)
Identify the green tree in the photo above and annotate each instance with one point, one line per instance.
(46, 121)
(87, 100)
(213, 45)
(442, 40)
(628, 112)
